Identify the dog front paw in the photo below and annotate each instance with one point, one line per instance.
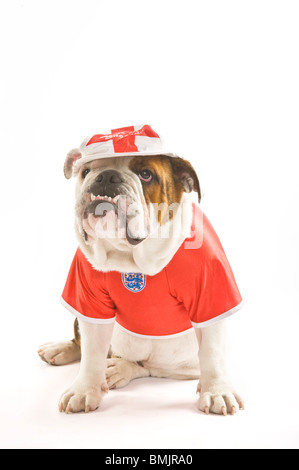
(82, 397)
(220, 399)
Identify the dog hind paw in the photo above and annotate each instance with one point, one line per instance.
(59, 353)
(120, 372)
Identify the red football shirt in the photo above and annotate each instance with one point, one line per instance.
(197, 287)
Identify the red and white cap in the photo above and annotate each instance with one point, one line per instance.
(131, 140)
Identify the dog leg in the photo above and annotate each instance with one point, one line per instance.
(87, 391)
(181, 373)
(216, 392)
(120, 372)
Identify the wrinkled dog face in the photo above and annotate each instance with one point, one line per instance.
(116, 198)
(110, 202)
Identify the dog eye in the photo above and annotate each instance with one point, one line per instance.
(85, 172)
(146, 176)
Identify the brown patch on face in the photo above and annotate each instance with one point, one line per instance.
(168, 182)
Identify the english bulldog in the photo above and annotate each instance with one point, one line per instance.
(150, 285)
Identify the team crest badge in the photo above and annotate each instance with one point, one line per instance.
(134, 282)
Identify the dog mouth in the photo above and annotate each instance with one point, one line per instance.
(111, 217)
(113, 200)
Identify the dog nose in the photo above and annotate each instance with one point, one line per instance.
(109, 177)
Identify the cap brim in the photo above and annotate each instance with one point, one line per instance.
(90, 158)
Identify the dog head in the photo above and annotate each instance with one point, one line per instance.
(121, 202)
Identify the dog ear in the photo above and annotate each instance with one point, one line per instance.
(185, 173)
(71, 158)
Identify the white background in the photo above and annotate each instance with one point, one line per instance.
(219, 80)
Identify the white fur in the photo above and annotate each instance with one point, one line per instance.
(184, 357)
(150, 256)
(175, 358)
(89, 387)
(155, 252)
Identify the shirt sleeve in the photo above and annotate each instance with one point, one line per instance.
(203, 280)
(217, 294)
(84, 293)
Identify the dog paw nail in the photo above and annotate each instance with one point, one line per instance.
(207, 410)
(223, 411)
